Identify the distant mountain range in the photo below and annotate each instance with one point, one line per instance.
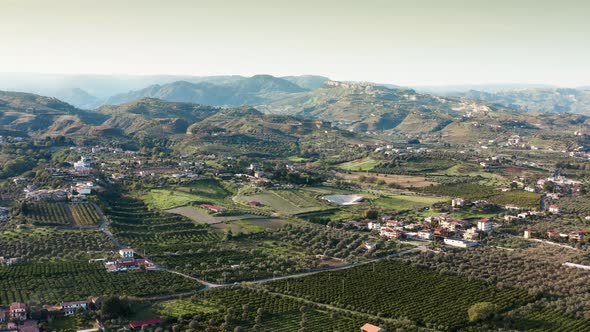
(92, 91)
(254, 90)
(356, 107)
(538, 100)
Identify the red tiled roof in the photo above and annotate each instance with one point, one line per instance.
(18, 305)
(370, 328)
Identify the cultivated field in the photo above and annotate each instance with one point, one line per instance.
(404, 181)
(288, 202)
(202, 217)
(365, 164)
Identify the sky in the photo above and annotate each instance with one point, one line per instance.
(409, 42)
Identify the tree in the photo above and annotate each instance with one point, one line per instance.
(481, 311)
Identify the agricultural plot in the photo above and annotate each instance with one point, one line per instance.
(365, 164)
(290, 249)
(249, 226)
(394, 289)
(407, 202)
(47, 214)
(477, 191)
(404, 181)
(70, 281)
(84, 214)
(288, 202)
(136, 226)
(200, 191)
(254, 310)
(201, 217)
(45, 243)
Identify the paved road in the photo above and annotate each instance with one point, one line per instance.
(103, 226)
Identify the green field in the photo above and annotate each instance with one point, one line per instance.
(201, 191)
(288, 202)
(365, 164)
(407, 202)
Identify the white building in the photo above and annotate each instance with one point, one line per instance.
(374, 226)
(70, 308)
(459, 243)
(484, 225)
(458, 202)
(127, 253)
(425, 235)
(554, 209)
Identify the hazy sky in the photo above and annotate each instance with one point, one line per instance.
(406, 42)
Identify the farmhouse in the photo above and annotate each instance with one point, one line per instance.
(127, 253)
(125, 264)
(371, 328)
(70, 308)
(213, 208)
(458, 202)
(18, 311)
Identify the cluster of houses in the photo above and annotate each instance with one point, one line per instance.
(128, 262)
(554, 234)
(16, 316)
(455, 232)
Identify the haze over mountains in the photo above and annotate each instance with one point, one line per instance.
(93, 91)
(275, 107)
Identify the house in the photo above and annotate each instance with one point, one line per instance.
(511, 207)
(254, 204)
(484, 225)
(554, 209)
(371, 328)
(577, 235)
(3, 315)
(70, 308)
(213, 208)
(425, 235)
(458, 202)
(147, 323)
(528, 233)
(390, 233)
(552, 233)
(459, 243)
(471, 234)
(18, 311)
(127, 253)
(374, 226)
(83, 165)
(369, 246)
